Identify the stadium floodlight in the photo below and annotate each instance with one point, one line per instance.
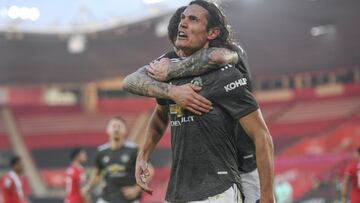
(152, 1)
(322, 30)
(23, 13)
(13, 12)
(34, 14)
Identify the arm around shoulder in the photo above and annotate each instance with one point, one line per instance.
(141, 84)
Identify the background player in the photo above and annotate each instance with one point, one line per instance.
(76, 177)
(115, 163)
(12, 184)
(352, 173)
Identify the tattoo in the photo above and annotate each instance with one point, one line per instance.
(200, 62)
(141, 84)
(159, 120)
(157, 125)
(203, 61)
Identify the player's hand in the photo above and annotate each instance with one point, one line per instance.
(85, 194)
(131, 192)
(84, 191)
(142, 173)
(159, 70)
(187, 97)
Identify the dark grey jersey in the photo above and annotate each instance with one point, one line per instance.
(204, 147)
(118, 170)
(246, 147)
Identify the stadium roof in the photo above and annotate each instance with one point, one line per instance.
(280, 36)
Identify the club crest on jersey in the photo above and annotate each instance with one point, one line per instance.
(180, 118)
(125, 158)
(233, 85)
(116, 168)
(105, 159)
(197, 81)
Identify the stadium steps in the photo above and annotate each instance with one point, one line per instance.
(4, 140)
(317, 118)
(273, 111)
(321, 109)
(37, 185)
(343, 137)
(64, 129)
(331, 149)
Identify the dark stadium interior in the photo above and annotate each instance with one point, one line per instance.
(275, 33)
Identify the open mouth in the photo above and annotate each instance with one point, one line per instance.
(182, 35)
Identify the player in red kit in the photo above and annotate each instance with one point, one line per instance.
(12, 185)
(76, 177)
(352, 173)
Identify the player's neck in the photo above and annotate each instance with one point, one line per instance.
(117, 144)
(188, 52)
(77, 164)
(18, 173)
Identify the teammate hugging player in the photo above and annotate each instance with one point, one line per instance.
(204, 145)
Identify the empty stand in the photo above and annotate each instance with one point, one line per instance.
(4, 140)
(345, 137)
(321, 109)
(59, 126)
(271, 110)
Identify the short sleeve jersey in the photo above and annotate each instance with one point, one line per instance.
(12, 188)
(204, 147)
(118, 170)
(246, 147)
(353, 170)
(75, 179)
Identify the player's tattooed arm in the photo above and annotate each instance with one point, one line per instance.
(140, 83)
(200, 62)
(185, 95)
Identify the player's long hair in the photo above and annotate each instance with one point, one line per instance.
(216, 18)
(173, 26)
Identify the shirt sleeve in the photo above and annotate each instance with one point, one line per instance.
(98, 161)
(233, 95)
(161, 101)
(133, 160)
(243, 65)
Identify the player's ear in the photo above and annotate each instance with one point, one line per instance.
(213, 33)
